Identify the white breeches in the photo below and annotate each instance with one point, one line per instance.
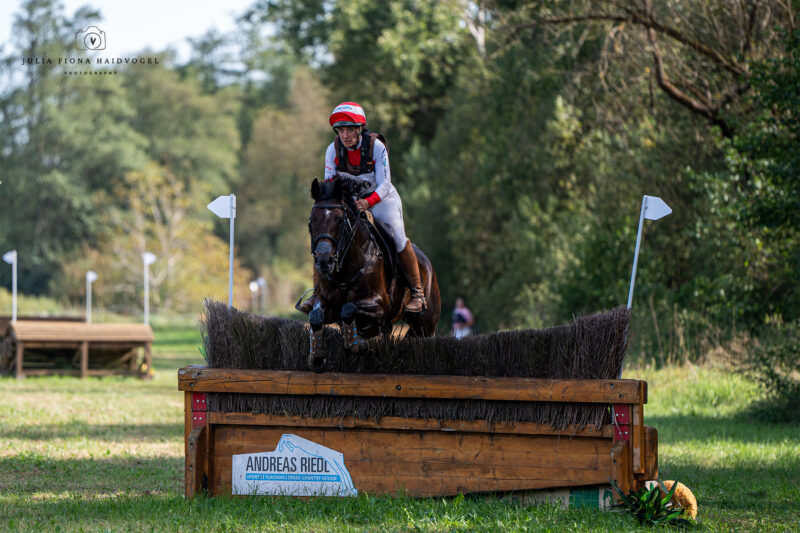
(390, 211)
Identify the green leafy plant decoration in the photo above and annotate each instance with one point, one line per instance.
(650, 508)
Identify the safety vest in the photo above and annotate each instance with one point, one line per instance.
(366, 163)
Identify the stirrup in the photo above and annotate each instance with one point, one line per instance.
(300, 300)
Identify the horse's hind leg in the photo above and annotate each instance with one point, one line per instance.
(316, 351)
(352, 341)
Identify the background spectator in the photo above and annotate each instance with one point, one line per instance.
(462, 319)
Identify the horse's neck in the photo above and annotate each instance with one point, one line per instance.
(363, 246)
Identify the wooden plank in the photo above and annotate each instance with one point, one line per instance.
(429, 447)
(409, 386)
(436, 486)
(52, 372)
(621, 467)
(401, 423)
(93, 345)
(434, 463)
(53, 345)
(32, 330)
(195, 456)
(76, 372)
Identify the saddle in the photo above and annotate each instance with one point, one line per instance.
(383, 235)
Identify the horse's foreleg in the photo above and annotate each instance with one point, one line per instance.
(352, 341)
(316, 351)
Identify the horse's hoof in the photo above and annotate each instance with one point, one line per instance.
(317, 364)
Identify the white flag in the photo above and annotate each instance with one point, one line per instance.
(10, 257)
(656, 208)
(224, 206)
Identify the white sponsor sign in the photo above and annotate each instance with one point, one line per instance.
(297, 467)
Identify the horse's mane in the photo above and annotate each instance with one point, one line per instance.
(342, 188)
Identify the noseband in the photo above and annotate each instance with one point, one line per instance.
(342, 245)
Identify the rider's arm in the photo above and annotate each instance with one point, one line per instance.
(330, 162)
(383, 176)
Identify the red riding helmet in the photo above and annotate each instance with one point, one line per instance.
(347, 114)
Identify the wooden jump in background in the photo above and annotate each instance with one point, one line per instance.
(41, 347)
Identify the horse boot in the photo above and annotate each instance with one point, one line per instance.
(317, 361)
(409, 260)
(308, 305)
(353, 343)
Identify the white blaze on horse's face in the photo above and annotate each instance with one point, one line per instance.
(327, 226)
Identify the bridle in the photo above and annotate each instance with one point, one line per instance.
(341, 245)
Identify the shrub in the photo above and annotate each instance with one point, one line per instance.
(775, 363)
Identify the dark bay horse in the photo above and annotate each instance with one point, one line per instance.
(358, 286)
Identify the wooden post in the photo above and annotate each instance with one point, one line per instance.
(651, 453)
(18, 362)
(195, 457)
(84, 359)
(196, 446)
(637, 438)
(621, 467)
(147, 360)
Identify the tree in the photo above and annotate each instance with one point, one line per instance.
(286, 152)
(697, 53)
(397, 59)
(192, 134)
(161, 216)
(60, 137)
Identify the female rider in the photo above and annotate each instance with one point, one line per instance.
(349, 155)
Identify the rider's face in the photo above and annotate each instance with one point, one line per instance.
(349, 135)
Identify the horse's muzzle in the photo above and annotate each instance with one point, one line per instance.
(324, 259)
(324, 263)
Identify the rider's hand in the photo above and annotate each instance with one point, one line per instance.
(362, 205)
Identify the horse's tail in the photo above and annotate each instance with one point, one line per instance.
(433, 300)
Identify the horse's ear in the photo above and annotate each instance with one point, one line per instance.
(315, 189)
(337, 189)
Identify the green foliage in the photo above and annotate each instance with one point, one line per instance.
(775, 363)
(527, 146)
(397, 59)
(649, 507)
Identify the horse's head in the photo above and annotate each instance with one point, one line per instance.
(331, 223)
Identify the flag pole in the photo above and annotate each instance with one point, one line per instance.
(636, 253)
(14, 290)
(230, 259)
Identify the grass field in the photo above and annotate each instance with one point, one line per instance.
(107, 455)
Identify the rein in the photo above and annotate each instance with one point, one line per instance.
(343, 244)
